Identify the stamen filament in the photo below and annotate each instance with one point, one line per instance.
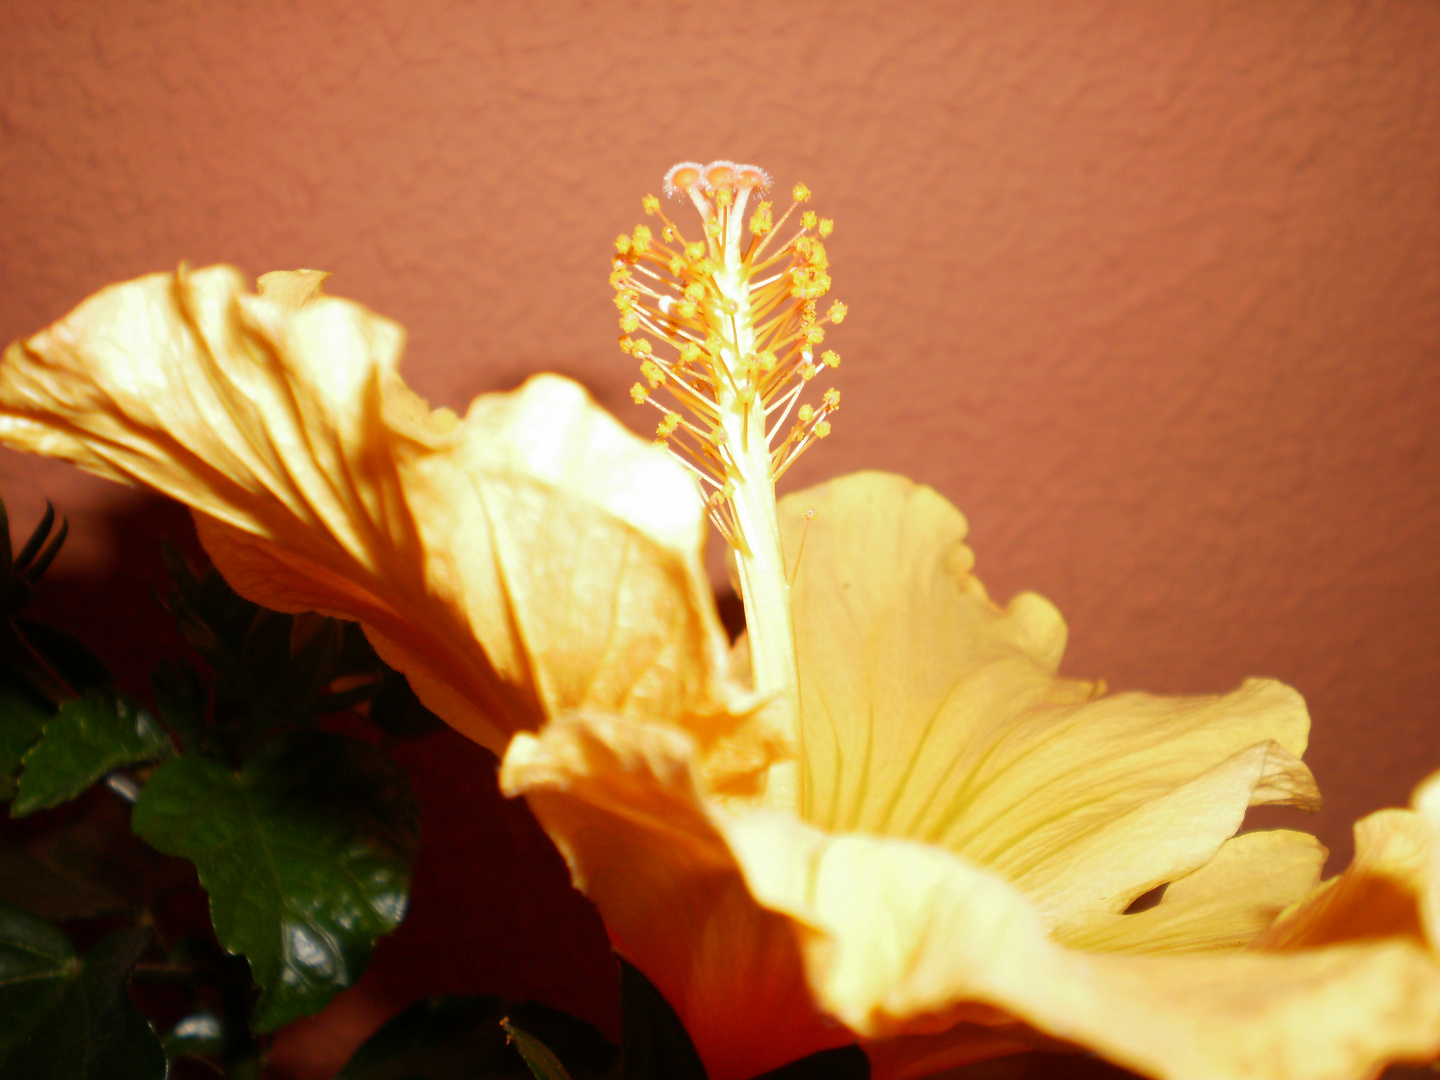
(745, 356)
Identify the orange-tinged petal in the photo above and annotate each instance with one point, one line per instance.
(622, 801)
(931, 713)
(528, 560)
(1390, 889)
(900, 939)
(907, 938)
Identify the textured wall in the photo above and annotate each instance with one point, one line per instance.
(1152, 291)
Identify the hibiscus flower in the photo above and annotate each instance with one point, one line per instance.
(885, 817)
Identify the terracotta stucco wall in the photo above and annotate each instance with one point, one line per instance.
(1151, 291)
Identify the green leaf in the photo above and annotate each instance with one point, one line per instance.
(82, 742)
(22, 720)
(542, 1064)
(60, 1020)
(305, 853)
(656, 1045)
(36, 962)
(461, 1038)
(180, 698)
(841, 1063)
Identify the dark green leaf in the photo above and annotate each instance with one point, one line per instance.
(461, 1038)
(36, 963)
(841, 1063)
(656, 1045)
(22, 719)
(180, 699)
(305, 854)
(65, 1021)
(83, 741)
(542, 1064)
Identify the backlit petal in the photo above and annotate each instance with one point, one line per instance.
(930, 713)
(528, 560)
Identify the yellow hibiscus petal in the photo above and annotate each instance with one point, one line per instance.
(909, 938)
(531, 559)
(931, 713)
(622, 802)
(1225, 904)
(1389, 890)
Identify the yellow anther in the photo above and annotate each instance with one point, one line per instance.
(729, 306)
(761, 221)
(651, 204)
(712, 228)
(629, 322)
(653, 375)
(831, 398)
(807, 371)
(668, 425)
(627, 345)
(830, 358)
(660, 444)
(677, 266)
(625, 300)
(837, 312)
(747, 394)
(620, 277)
(827, 226)
(642, 348)
(695, 249)
(695, 292)
(807, 412)
(767, 361)
(808, 219)
(801, 193)
(638, 394)
(815, 335)
(668, 233)
(807, 313)
(822, 429)
(642, 239)
(690, 352)
(686, 310)
(724, 197)
(622, 244)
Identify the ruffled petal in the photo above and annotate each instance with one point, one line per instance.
(930, 713)
(1226, 904)
(622, 802)
(905, 938)
(531, 559)
(1390, 889)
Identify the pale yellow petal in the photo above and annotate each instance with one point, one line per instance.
(905, 938)
(531, 559)
(931, 713)
(1388, 891)
(1225, 904)
(621, 800)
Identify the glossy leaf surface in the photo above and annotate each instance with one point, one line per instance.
(305, 853)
